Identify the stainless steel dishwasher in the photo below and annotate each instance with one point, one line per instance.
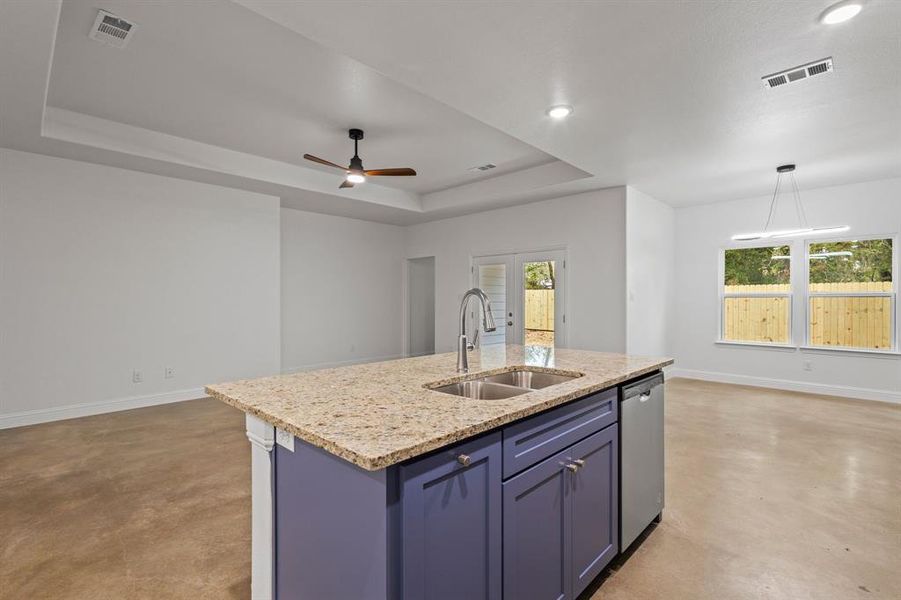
(641, 457)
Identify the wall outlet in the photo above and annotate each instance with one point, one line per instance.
(169, 373)
(137, 376)
(808, 365)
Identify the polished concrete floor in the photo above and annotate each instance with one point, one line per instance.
(770, 495)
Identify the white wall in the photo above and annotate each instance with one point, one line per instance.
(104, 270)
(650, 276)
(421, 305)
(869, 208)
(592, 228)
(342, 290)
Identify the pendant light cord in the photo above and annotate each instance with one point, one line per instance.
(799, 206)
(769, 217)
(802, 215)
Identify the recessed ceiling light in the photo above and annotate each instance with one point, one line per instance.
(841, 12)
(561, 111)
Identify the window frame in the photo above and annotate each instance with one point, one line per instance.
(806, 294)
(800, 301)
(723, 295)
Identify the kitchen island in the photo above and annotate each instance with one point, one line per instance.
(380, 486)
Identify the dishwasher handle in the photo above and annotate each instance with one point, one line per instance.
(642, 388)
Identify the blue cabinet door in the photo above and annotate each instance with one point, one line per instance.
(451, 519)
(537, 532)
(594, 495)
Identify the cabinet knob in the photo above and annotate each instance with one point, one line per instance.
(572, 467)
(464, 460)
(580, 462)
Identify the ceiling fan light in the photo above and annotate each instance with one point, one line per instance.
(355, 178)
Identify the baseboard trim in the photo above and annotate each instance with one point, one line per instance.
(72, 411)
(340, 363)
(792, 386)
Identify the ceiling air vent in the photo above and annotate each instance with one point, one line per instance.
(112, 30)
(798, 73)
(486, 167)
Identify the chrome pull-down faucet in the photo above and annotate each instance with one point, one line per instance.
(487, 323)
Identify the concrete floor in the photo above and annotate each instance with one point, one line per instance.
(770, 495)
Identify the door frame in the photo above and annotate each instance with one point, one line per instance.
(515, 259)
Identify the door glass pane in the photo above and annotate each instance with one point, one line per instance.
(539, 281)
(493, 281)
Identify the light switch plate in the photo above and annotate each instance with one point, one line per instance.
(285, 439)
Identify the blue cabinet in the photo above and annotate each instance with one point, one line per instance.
(451, 522)
(595, 506)
(560, 521)
(537, 532)
(466, 532)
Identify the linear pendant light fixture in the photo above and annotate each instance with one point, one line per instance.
(803, 227)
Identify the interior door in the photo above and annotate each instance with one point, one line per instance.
(495, 275)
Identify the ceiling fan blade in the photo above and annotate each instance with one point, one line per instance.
(345, 184)
(402, 172)
(322, 161)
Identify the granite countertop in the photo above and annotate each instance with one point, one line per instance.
(375, 415)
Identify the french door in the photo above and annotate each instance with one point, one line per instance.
(527, 297)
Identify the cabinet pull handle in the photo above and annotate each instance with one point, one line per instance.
(464, 460)
(573, 468)
(580, 462)
(644, 397)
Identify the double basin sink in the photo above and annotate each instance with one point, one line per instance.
(504, 385)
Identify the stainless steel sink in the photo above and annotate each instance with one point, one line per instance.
(534, 380)
(478, 389)
(503, 385)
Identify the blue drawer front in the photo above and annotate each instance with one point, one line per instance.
(531, 441)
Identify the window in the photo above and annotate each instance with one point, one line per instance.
(756, 296)
(851, 294)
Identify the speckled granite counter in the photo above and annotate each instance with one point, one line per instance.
(379, 414)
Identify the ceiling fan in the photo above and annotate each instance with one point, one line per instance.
(355, 173)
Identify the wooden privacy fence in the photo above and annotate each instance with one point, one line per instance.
(540, 310)
(857, 322)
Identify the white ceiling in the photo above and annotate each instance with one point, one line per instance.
(223, 75)
(667, 96)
